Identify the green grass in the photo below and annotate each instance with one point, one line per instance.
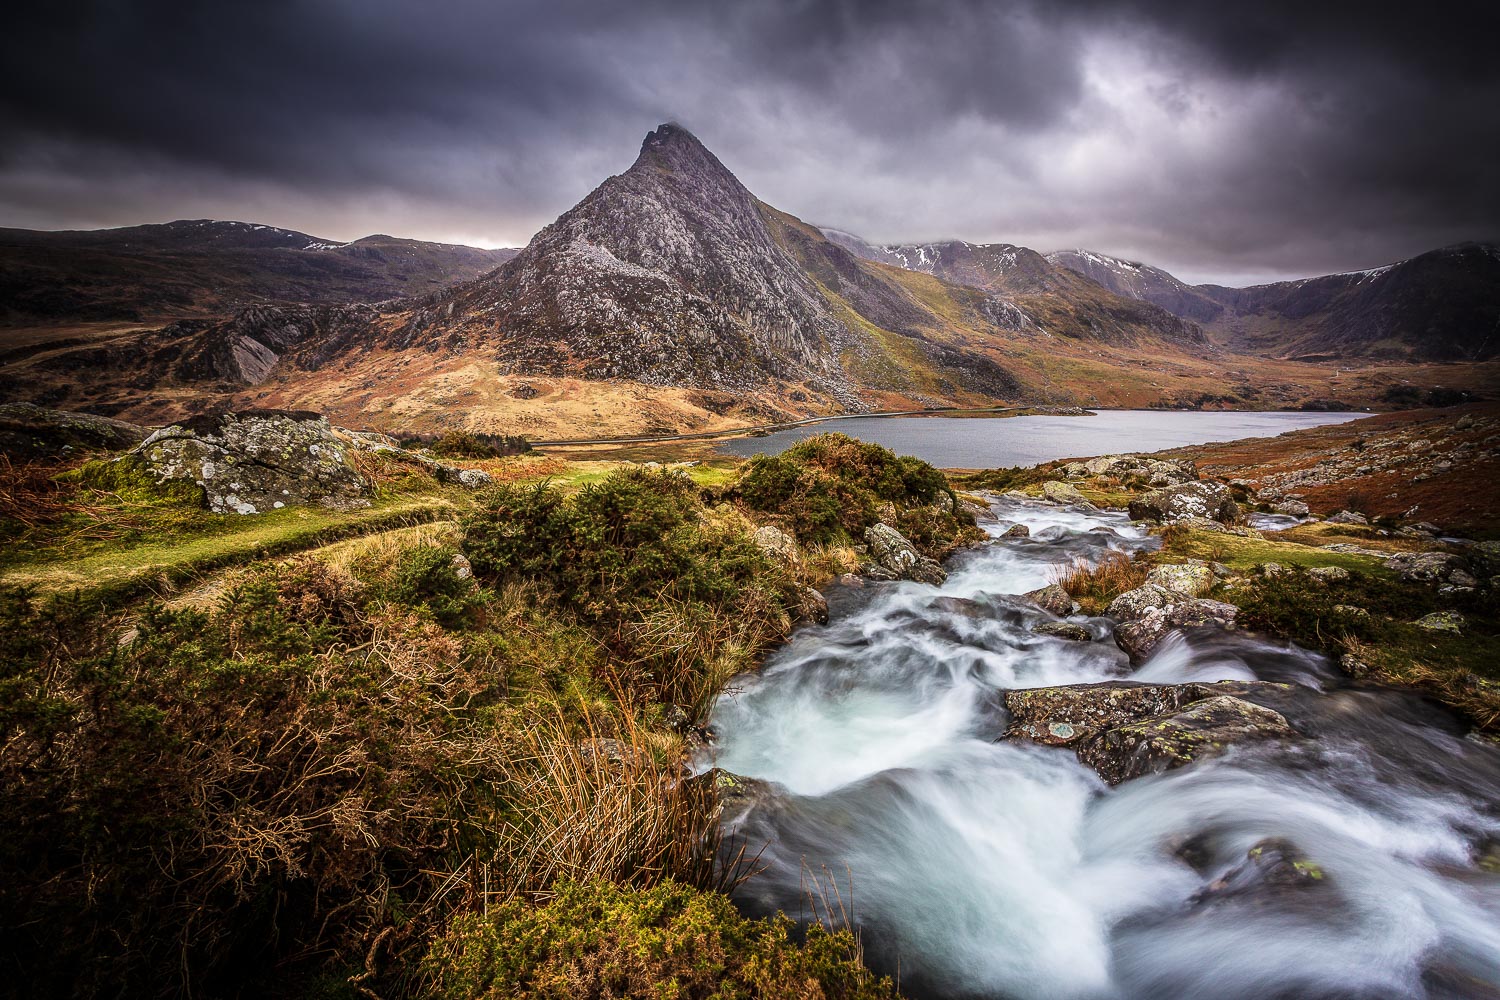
(217, 540)
(1240, 553)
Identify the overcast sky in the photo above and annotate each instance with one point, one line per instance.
(1224, 141)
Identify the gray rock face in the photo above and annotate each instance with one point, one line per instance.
(32, 431)
(1194, 499)
(257, 460)
(897, 557)
(1017, 531)
(1292, 508)
(1124, 730)
(1134, 604)
(1348, 517)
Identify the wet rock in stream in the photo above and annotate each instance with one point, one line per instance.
(1124, 730)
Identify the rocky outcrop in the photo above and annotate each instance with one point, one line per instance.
(255, 461)
(1271, 866)
(779, 545)
(1146, 614)
(1071, 631)
(1445, 569)
(1185, 500)
(29, 431)
(1124, 730)
(894, 558)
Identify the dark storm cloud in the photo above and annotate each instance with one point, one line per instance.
(1216, 139)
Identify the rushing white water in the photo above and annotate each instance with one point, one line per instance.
(981, 869)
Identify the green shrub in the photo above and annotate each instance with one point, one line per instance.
(831, 487)
(470, 444)
(598, 940)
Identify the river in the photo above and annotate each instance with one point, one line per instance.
(981, 869)
(997, 442)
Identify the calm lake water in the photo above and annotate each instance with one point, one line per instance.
(994, 442)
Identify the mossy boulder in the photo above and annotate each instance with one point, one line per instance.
(1202, 729)
(31, 431)
(255, 460)
(891, 552)
(1190, 579)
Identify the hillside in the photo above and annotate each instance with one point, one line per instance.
(1440, 306)
(199, 268)
(1053, 296)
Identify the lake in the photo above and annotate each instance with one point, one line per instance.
(995, 442)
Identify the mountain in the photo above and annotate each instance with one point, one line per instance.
(669, 300)
(202, 268)
(1440, 306)
(1053, 294)
(1135, 280)
(665, 274)
(1443, 305)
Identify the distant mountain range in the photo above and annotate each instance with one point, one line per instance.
(202, 267)
(1438, 306)
(675, 294)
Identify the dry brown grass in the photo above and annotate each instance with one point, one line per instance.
(30, 495)
(1094, 585)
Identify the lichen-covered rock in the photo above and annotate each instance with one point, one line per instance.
(1292, 508)
(1059, 492)
(1201, 729)
(1123, 729)
(1051, 598)
(1271, 866)
(1443, 621)
(1348, 517)
(1329, 574)
(778, 545)
(1017, 531)
(1191, 499)
(1134, 604)
(892, 553)
(1191, 579)
(255, 461)
(1426, 567)
(1071, 631)
(1217, 527)
(32, 431)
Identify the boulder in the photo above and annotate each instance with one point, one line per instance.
(1071, 631)
(1443, 621)
(1135, 604)
(1292, 508)
(778, 545)
(28, 431)
(1159, 473)
(1060, 492)
(1209, 524)
(1202, 729)
(812, 606)
(1184, 500)
(1271, 866)
(1329, 574)
(892, 553)
(1190, 579)
(1348, 517)
(1051, 598)
(1426, 567)
(1017, 531)
(1123, 730)
(1142, 635)
(255, 461)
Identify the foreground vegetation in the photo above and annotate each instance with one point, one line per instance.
(446, 756)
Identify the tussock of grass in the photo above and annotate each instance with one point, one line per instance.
(1094, 586)
(1242, 553)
